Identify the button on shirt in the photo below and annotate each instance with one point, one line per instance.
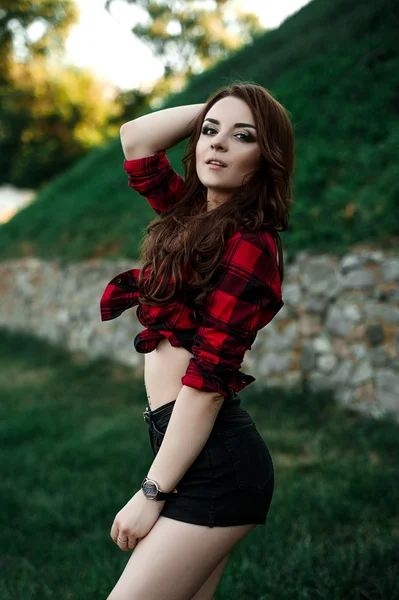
(246, 298)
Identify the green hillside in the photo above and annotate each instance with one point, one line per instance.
(335, 66)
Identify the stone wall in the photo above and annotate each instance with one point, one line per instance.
(338, 330)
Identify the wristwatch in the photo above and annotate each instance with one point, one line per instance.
(152, 491)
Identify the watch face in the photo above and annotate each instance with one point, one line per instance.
(150, 490)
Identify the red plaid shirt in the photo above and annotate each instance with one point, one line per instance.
(247, 296)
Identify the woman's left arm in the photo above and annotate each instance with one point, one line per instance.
(190, 425)
(246, 298)
(189, 428)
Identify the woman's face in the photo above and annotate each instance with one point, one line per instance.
(228, 135)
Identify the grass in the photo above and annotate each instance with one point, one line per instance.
(74, 448)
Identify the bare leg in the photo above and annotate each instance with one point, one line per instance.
(209, 587)
(175, 560)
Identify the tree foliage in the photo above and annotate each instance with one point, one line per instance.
(49, 118)
(50, 114)
(53, 17)
(188, 36)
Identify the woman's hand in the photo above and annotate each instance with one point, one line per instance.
(135, 520)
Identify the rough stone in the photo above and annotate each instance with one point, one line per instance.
(337, 323)
(315, 305)
(292, 270)
(322, 277)
(393, 295)
(387, 390)
(390, 270)
(359, 351)
(285, 338)
(319, 382)
(353, 313)
(373, 256)
(363, 372)
(277, 363)
(351, 262)
(394, 363)
(387, 380)
(302, 257)
(356, 333)
(309, 324)
(322, 345)
(326, 363)
(361, 279)
(382, 312)
(378, 357)
(341, 348)
(261, 369)
(307, 358)
(292, 294)
(375, 334)
(342, 374)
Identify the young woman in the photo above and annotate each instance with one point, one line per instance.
(211, 275)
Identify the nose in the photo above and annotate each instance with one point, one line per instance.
(218, 145)
(218, 142)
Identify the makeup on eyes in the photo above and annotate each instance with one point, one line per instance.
(247, 136)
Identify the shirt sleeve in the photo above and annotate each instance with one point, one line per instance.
(120, 294)
(246, 298)
(154, 178)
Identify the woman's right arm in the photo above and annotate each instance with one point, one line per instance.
(159, 130)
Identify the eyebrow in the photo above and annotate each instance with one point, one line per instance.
(235, 124)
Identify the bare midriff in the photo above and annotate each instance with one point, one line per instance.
(163, 369)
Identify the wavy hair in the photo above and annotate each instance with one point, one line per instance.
(184, 245)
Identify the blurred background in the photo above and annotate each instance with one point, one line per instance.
(326, 396)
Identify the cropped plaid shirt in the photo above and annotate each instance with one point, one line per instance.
(246, 298)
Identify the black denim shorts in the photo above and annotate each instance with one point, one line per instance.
(231, 482)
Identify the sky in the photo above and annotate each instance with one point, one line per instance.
(125, 61)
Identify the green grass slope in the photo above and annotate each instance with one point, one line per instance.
(74, 448)
(335, 66)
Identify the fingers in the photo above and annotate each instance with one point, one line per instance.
(122, 539)
(132, 542)
(114, 532)
(123, 543)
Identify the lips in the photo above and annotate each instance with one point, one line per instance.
(217, 161)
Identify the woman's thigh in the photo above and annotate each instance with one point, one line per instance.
(175, 559)
(208, 588)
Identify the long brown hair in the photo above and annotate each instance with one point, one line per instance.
(189, 235)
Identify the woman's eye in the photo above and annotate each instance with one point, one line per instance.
(206, 129)
(244, 136)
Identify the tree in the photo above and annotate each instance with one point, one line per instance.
(188, 36)
(49, 118)
(51, 20)
(50, 115)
